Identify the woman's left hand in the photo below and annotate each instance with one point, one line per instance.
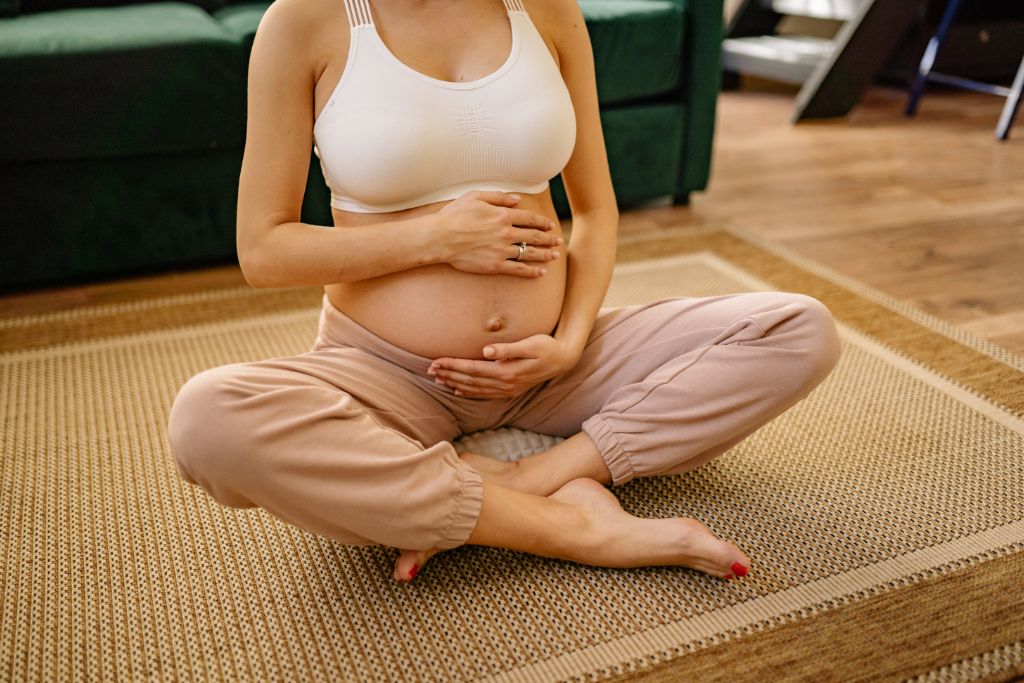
(510, 369)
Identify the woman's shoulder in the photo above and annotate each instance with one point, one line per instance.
(305, 31)
(555, 19)
(305, 12)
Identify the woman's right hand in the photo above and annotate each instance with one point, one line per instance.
(480, 232)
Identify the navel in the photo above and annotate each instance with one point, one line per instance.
(495, 323)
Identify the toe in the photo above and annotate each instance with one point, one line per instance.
(410, 562)
(733, 567)
(713, 555)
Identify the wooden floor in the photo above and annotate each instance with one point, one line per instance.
(929, 210)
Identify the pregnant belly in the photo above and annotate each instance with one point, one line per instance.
(438, 311)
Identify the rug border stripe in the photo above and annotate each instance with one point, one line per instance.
(959, 392)
(910, 619)
(734, 621)
(990, 377)
(895, 305)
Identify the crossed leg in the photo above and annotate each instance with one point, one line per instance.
(347, 445)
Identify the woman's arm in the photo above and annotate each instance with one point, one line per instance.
(274, 248)
(475, 233)
(587, 181)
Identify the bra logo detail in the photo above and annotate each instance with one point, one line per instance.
(474, 120)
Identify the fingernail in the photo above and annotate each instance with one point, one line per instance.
(739, 569)
(554, 254)
(412, 572)
(458, 393)
(515, 196)
(431, 371)
(558, 240)
(543, 271)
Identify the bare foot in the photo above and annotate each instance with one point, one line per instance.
(620, 539)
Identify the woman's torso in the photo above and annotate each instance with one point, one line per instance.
(438, 310)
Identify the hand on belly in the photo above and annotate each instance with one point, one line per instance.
(455, 308)
(477, 231)
(510, 370)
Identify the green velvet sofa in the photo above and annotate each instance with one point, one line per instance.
(122, 126)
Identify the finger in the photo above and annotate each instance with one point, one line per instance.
(479, 392)
(496, 197)
(536, 254)
(449, 376)
(531, 219)
(516, 350)
(483, 368)
(532, 254)
(520, 269)
(474, 389)
(498, 351)
(536, 237)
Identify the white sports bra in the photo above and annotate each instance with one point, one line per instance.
(392, 138)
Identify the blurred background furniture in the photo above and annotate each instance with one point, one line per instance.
(834, 49)
(925, 74)
(832, 71)
(123, 126)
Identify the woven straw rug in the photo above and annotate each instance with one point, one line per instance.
(883, 514)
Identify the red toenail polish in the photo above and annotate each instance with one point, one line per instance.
(727, 577)
(739, 569)
(413, 571)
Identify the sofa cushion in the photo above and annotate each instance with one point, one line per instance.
(119, 81)
(29, 6)
(241, 19)
(637, 46)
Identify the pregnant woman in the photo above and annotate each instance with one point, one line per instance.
(452, 304)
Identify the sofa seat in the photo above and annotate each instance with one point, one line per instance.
(123, 81)
(637, 43)
(637, 47)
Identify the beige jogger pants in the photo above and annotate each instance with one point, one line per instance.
(352, 439)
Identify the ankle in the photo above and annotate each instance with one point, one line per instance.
(540, 477)
(522, 476)
(577, 535)
(544, 473)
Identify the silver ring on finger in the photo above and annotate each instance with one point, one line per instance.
(522, 251)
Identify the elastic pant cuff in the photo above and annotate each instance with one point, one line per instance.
(467, 508)
(608, 444)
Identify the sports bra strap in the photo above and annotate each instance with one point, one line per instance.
(358, 13)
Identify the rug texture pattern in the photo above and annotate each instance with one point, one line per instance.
(883, 515)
